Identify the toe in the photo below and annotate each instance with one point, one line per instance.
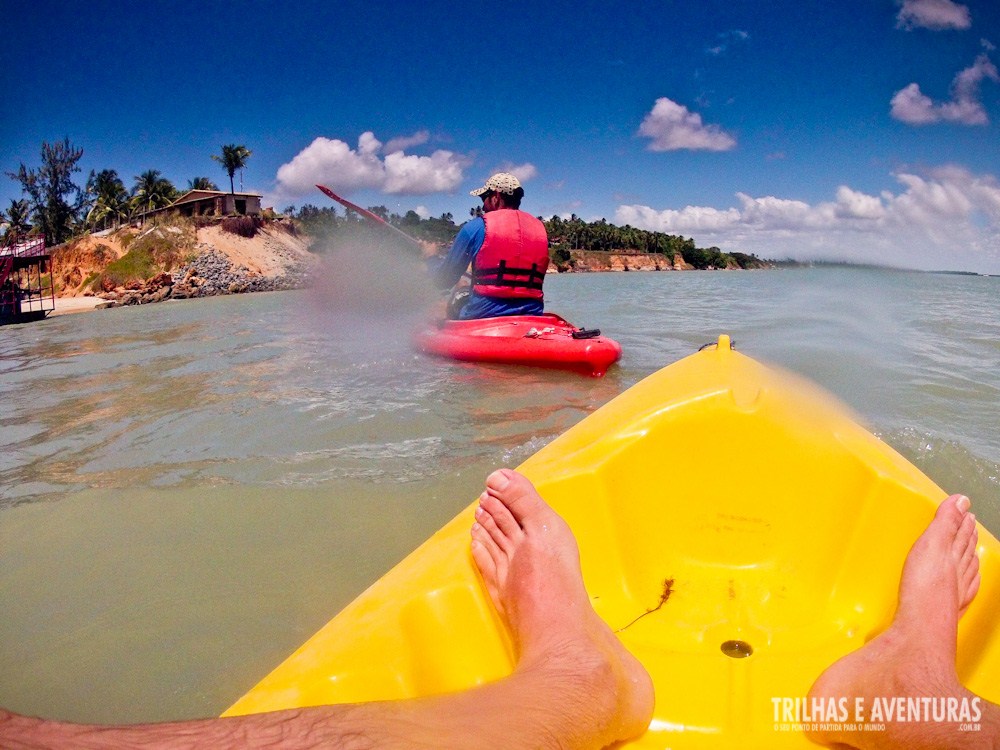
(969, 593)
(502, 517)
(968, 575)
(951, 512)
(486, 564)
(484, 553)
(963, 537)
(516, 492)
(969, 542)
(501, 538)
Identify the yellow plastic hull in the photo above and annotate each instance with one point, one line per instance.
(780, 524)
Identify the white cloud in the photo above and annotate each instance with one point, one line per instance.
(852, 204)
(523, 172)
(401, 144)
(944, 218)
(334, 162)
(782, 213)
(368, 144)
(688, 220)
(440, 172)
(672, 127)
(933, 14)
(912, 106)
(326, 160)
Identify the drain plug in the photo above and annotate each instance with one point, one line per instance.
(736, 649)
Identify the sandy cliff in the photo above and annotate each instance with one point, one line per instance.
(271, 253)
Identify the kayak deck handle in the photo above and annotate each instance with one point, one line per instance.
(586, 333)
(724, 342)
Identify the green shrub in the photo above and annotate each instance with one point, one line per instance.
(164, 245)
(135, 265)
(560, 254)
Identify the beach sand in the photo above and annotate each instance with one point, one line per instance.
(69, 305)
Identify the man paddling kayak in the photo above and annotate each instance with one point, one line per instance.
(509, 252)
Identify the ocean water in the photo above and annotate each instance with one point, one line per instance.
(189, 490)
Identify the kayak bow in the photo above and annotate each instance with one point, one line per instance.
(776, 524)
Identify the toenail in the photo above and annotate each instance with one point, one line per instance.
(963, 503)
(500, 479)
(479, 512)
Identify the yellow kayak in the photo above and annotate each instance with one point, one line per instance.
(776, 523)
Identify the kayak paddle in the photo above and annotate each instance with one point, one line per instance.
(371, 217)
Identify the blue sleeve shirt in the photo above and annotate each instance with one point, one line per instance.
(447, 272)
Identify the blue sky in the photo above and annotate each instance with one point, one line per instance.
(859, 129)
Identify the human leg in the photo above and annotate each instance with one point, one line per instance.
(915, 656)
(531, 566)
(574, 685)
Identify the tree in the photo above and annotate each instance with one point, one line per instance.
(202, 183)
(54, 199)
(109, 199)
(152, 191)
(17, 219)
(233, 157)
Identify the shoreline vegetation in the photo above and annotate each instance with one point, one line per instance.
(574, 245)
(175, 257)
(151, 253)
(131, 247)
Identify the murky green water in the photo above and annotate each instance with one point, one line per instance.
(189, 490)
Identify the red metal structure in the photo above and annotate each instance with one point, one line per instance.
(26, 288)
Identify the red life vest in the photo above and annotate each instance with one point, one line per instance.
(514, 256)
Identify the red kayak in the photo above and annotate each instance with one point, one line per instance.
(536, 340)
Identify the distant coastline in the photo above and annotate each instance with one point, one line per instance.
(821, 263)
(614, 261)
(177, 258)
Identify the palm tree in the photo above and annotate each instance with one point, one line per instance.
(202, 183)
(233, 157)
(152, 191)
(17, 220)
(109, 196)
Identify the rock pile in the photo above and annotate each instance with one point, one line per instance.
(210, 274)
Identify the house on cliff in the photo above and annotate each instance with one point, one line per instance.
(215, 203)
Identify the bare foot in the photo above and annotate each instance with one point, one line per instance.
(530, 563)
(915, 656)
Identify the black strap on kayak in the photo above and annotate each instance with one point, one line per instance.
(586, 333)
(502, 275)
(732, 345)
